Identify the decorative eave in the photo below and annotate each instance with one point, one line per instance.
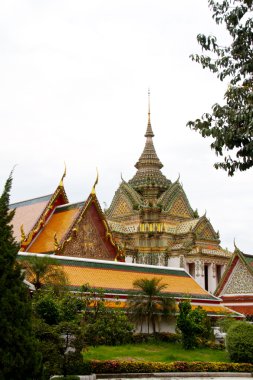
(59, 195)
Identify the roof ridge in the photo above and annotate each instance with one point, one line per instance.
(13, 205)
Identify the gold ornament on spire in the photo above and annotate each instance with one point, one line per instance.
(63, 176)
(93, 191)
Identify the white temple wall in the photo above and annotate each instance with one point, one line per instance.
(163, 326)
(174, 262)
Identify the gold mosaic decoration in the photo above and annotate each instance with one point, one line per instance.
(121, 208)
(204, 231)
(180, 208)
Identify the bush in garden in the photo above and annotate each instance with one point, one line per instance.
(239, 342)
(114, 366)
(111, 327)
(193, 324)
(226, 323)
(47, 309)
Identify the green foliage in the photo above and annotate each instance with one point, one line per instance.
(239, 342)
(70, 307)
(193, 324)
(226, 323)
(61, 346)
(19, 355)
(114, 366)
(71, 345)
(150, 304)
(47, 309)
(49, 342)
(231, 124)
(202, 323)
(68, 377)
(44, 271)
(111, 327)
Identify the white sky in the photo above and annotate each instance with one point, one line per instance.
(73, 87)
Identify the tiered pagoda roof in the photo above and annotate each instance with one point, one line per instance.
(149, 166)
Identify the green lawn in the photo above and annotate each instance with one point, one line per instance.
(159, 352)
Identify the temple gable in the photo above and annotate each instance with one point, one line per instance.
(240, 280)
(179, 207)
(204, 230)
(122, 204)
(90, 238)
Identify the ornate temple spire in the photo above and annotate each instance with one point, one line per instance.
(148, 166)
(149, 132)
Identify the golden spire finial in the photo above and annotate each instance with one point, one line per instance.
(93, 191)
(64, 175)
(149, 105)
(149, 132)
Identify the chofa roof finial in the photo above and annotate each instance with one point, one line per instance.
(64, 175)
(236, 248)
(93, 191)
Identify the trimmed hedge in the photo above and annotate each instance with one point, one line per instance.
(239, 342)
(114, 366)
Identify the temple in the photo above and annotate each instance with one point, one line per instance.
(52, 225)
(116, 280)
(151, 218)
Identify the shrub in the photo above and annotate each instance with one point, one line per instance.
(226, 323)
(114, 366)
(193, 324)
(111, 327)
(69, 377)
(47, 309)
(239, 342)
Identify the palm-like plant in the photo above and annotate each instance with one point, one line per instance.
(150, 304)
(44, 271)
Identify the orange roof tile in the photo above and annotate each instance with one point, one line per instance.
(59, 223)
(123, 280)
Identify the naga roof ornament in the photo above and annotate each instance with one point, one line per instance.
(64, 175)
(93, 191)
(148, 166)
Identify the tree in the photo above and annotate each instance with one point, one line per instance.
(19, 356)
(193, 324)
(231, 124)
(42, 271)
(149, 304)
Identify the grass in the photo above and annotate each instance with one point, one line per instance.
(159, 352)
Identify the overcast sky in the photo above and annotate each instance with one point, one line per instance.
(74, 77)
